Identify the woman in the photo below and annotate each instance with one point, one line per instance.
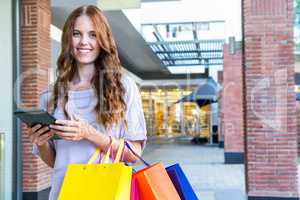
(92, 99)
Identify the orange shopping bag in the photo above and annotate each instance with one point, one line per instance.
(154, 182)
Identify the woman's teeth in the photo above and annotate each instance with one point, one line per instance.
(84, 50)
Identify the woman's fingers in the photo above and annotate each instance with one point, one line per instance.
(65, 134)
(45, 137)
(42, 130)
(39, 134)
(64, 128)
(34, 129)
(74, 136)
(34, 137)
(73, 129)
(70, 123)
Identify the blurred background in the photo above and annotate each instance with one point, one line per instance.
(189, 59)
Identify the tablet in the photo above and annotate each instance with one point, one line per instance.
(33, 117)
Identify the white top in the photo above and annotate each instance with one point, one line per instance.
(82, 104)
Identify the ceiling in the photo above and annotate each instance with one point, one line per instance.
(189, 53)
(135, 54)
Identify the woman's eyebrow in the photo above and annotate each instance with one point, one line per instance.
(91, 31)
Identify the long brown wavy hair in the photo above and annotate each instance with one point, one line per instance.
(106, 81)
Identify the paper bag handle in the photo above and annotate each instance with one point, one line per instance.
(105, 158)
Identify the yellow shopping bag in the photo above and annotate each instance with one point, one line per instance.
(104, 181)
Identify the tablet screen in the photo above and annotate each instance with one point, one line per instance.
(33, 117)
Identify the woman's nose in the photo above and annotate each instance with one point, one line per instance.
(84, 39)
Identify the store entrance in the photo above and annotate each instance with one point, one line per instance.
(169, 116)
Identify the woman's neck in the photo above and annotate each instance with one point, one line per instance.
(84, 73)
(83, 77)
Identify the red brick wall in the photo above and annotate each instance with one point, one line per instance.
(232, 100)
(220, 107)
(271, 141)
(298, 125)
(36, 52)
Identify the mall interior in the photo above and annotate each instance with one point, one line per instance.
(217, 74)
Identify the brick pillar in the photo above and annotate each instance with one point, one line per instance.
(233, 123)
(271, 139)
(220, 112)
(36, 54)
(298, 125)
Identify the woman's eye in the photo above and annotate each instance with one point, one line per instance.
(76, 34)
(93, 35)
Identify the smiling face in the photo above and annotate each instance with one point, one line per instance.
(84, 42)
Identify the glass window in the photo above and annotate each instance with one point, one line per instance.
(166, 116)
(6, 87)
(5, 166)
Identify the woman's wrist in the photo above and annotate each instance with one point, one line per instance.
(90, 134)
(43, 146)
(47, 154)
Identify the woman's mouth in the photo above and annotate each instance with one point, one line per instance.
(82, 50)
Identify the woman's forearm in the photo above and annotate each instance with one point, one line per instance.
(102, 141)
(136, 146)
(47, 154)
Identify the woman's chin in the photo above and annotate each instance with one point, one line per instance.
(85, 62)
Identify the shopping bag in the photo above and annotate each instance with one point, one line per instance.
(107, 181)
(154, 182)
(181, 182)
(134, 194)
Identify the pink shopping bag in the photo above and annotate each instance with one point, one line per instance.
(134, 194)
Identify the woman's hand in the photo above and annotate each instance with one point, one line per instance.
(75, 129)
(40, 135)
